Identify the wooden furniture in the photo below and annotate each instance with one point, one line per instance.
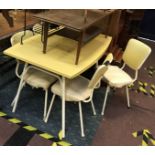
(130, 21)
(59, 58)
(18, 20)
(76, 20)
(5, 13)
(127, 25)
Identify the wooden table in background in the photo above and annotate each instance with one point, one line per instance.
(18, 16)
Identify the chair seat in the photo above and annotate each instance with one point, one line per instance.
(76, 89)
(38, 79)
(116, 77)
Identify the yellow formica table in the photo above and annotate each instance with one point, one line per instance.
(59, 58)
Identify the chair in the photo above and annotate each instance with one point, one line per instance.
(16, 38)
(78, 90)
(34, 76)
(37, 28)
(134, 56)
(108, 60)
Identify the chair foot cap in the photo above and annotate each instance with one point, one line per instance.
(45, 120)
(83, 135)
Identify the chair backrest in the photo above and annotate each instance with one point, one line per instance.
(37, 28)
(136, 53)
(109, 58)
(98, 75)
(16, 38)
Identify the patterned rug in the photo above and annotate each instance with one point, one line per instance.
(14, 132)
(30, 110)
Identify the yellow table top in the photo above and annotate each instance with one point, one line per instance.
(60, 55)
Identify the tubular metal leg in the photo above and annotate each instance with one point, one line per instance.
(105, 99)
(45, 103)
(63, 107)
(16, 97)
(81, 120)
(93, 107)
(127, 95)
(15, 102)
(50, 108)
(17, 69)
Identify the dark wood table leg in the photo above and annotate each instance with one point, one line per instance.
(79, 47)
(5, 13)
(21, 42)
(45, 36)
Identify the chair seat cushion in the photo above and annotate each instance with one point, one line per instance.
(38, 79)
(76, 89)
(116, 77)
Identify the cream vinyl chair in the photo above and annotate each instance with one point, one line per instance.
(134, 56)
(78, 90)
(37, 28)
(34, 76)
(108, 60)
(15, 39)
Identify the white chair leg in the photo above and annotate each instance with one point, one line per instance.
(93, 107)
(105, 99)
(81, 120)
(45, 103)
(15, 101)
(17, 69)
(50, 108)
(21, 84)
(12, 104)
(127, 95)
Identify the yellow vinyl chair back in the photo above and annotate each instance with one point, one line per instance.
(16, 38)
(136, 53)
(98, 75)
(37, 28)
(109, 58)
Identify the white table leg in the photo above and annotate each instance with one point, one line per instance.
(63, 107)
(15, 101)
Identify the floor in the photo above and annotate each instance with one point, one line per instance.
(119, 126)
(30, 109)
(119, 123)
